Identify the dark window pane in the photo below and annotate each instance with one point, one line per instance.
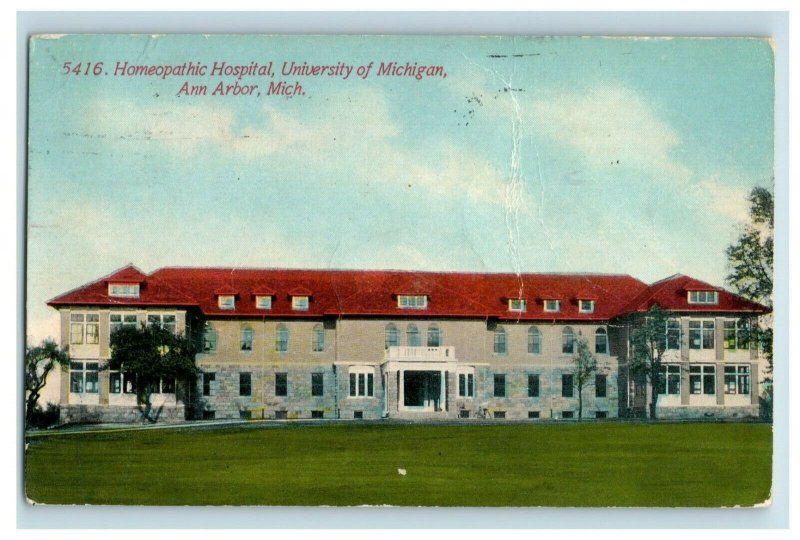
(566, 385)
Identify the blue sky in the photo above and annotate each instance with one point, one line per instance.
(533, 154)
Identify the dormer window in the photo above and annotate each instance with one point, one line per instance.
(226, 301)
(703, 297)
(586, 306)
(517, 304)
(263, 302)
(412, 301)
(300, 303)
(552, 306)
(123, 290)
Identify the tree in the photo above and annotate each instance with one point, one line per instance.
(152, 354)
(585, 366)
(648, 345)
(39, 362)
(750, 261)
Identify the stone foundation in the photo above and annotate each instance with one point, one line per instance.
(101, 414)
(707, 413)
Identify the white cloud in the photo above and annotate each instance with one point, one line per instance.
(608, 123)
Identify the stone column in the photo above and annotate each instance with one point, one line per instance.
(754, 387)
(719, 338)
(102, 380)
(442, 395)
(684, 384)
(400, 393)
(685, 339)
(720, 378)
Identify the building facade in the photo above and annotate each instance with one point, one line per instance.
(297, 344)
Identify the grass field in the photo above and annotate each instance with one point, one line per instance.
(598, 464)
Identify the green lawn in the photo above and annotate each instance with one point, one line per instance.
(598, 464)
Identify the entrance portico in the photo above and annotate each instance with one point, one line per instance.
(420, 381)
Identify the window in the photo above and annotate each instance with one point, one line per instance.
(533, 414)
(318, 338)
(737, 335)
(209, 340)
(392, 336)
(246, 339)
(162, 320)
(123, 290)
(499, 414)
(534, 341)
(552, 306)
(702, 379)
(737, 380)
(670, 380)
(517, 304)
(567, 340)
(567, 384)
(83, 377)
(434, 336)
(499, 385)
(362, 383)
(84, 328)
(601, 341)
(600, 386)
(263, 302)
(281, 384)
(586, 306)
(567, 415)
(601, 414)
(463, 413)
(125, 383)
(282, 339)
(466, 385)
(412, 336)
(407, 301)
(703, 297)
(674, 334)
(317, 387)
(317, 414)
(245, 384)
(281, 415)
(300, 303)
(701, 334)
(533, 386)
(167, 386)
(358, 415)
(226, 301)
(118, 320)
(500, 345)
(208, 378)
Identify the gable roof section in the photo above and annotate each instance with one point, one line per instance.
(672, 294)
(374, 293)
(152, 292)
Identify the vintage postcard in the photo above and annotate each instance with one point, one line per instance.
(399, 270)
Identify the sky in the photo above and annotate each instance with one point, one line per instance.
(631, 156)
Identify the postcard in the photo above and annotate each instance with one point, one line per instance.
(399, 270)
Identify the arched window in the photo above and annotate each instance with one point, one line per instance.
(500, 340)
(534, 341)
(318, 338)
(568, 340)
(246, 340)
(392, 336)
(601, 341)
(434, 336)
(412, 336)
(282, 338)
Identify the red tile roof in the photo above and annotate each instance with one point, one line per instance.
(672, 293)
(374, 293)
